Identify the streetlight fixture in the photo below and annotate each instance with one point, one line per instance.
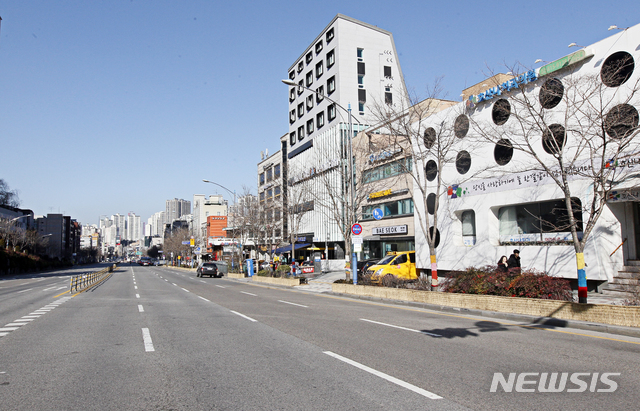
(352, 211)
(234, 207)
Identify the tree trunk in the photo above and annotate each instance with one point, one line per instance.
(582, 279)
(434, 272)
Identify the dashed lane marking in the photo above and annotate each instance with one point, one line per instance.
(244, 292)
(287, 302)
(401, 328)
(24, 291)
(146, 338)
(140, 308)
(387, 377)
(244, 316)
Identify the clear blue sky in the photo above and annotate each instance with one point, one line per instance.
(116, 106)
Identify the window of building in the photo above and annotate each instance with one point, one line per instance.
(551, 93)
(310, 126)
(503, 152)
(331, 58)
(388, 98)
(361, 69)
(309, 78)
(300, 66)
(277, 191)
(331, 85)
(387, 72)
(300, 110)
(309, 102)
(331, 112)
(621, 121)
(320, 119)
(301, 133)
(269, 194)
(461, 126)
(292, 138)
(360, 81)
(390, 209)
(269, 175)
(360, 107)
(309, 57)
(261, 178)
(319, 94)
(429, 137)
(463, 162)
(546, 221)
(329, 35)
(292, 116)
(553, 139)
(292, 94)
(468, 219)
(292, 74)
(617, 69)
(318, 47)
(501, 111)
(300, 87)
(392, 169)
(319, 69)
(360, 53)
(276, 171)
(262, 197)
(431, 170)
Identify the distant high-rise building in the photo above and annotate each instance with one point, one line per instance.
(176, 208)
(134, 229)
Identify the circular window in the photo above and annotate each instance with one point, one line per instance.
(621, 121)
(501, 111)
(429, 137)
(431, 203)
(463, 162)
(503, 152)
(553, 139)
(431, 170)
(551, 93)
(617, 69)
(437, 236)
(461, 126)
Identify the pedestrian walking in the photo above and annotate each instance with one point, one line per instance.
(514, 261)
(503, 264)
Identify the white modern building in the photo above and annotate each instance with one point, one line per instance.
(134, 227)
(496, 197)
(349, 65)
(203, 207)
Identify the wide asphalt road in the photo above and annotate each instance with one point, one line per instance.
(155, 338)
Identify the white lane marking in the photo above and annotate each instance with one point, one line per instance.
(186, 290)
(135, 287)
(2, 335)
(24, 291)
(14, 324)
(287, 302)
(244, 292)
(23, 320)
(137, 295)
(146, 337)
(175, 284)
(401, 328)
(202, 281)
(50, 288)
(140, 308)
(204, 299)
(166, 280)
(9, 328)
(61, 288)
(387, 377)
(38, 313)
(244, 316)
(220, 286)
(31, 316)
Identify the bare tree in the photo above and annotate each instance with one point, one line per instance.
(175, 243)
(299, 201)
(8, 197)
(578, 130)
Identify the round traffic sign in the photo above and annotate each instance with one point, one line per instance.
(377, 213)
(356, 229)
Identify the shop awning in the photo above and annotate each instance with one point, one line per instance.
(287, 249)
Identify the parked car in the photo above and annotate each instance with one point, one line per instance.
(364, 265)
(399, 264)
(210, 269)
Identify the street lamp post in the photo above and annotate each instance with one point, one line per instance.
(234, 206)
(351, 208)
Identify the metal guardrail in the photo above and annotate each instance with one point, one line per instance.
(81, 282)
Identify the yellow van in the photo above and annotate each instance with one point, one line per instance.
(401, 264)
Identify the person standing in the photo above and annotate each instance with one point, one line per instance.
(503, 265)
(514, 261)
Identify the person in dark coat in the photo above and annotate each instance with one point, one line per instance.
(503, 265)
(514, 261)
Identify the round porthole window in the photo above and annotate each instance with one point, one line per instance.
(617, 69)
(503, 152)
(461, 126)
(431, 170)
(437, 236)
(463, 162)
(551, 93)
(429, 137)
(431, 203)
(553, 139)
(621, 121)
(501, 112)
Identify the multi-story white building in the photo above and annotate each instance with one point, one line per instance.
(134, 227)
(203, 207)
(270, 197)
(157, 221)
(498, 196)
(350, 65)
(120, 222)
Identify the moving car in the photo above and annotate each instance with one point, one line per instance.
(399, 264)
(210, 269)
(145, 261)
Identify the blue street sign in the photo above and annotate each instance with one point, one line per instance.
(377, 213)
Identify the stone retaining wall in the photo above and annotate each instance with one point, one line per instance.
(290, 282)
(599, 313)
